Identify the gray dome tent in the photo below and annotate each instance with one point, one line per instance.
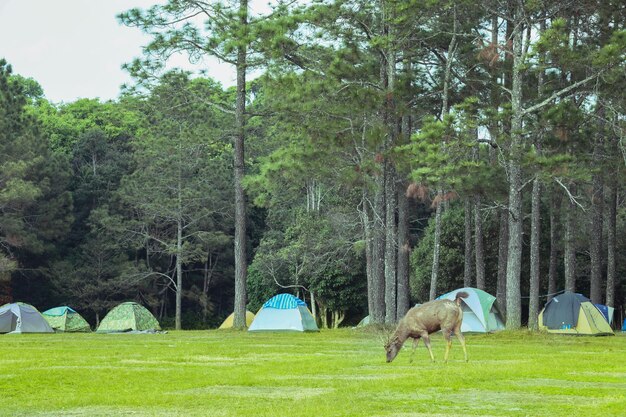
(22, 318)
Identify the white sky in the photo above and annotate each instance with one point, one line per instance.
(75, 48)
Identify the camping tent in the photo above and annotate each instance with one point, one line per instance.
(22, 318)
(66, 319)
(364, 322)
(607, 312)
(480, 313)
(228, 323)
(284, 312)
(572, 313)
(128, 317)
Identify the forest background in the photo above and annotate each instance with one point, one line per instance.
(388, 152)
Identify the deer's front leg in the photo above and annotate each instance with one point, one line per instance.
(416, 341)
(427, 343)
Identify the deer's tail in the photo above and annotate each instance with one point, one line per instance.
(459, 295)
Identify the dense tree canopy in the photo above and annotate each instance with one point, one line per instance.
(395, 150)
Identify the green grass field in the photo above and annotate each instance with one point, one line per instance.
(331, 373)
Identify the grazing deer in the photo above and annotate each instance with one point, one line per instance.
(419, 322)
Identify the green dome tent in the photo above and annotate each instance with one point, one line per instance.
(66, 319)
(22, 318)
(480, 314)
(127, 317)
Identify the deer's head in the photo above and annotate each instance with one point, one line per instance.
(392, 347)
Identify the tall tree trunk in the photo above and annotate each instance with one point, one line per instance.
(555, 209)
(535, 234)
(391, 247)
(611, 242)
(469, 260)
(494, 129)
(377, 315)
(437, 246)
(313, 306)
(324, 316)
(179, 243)
(241, 263)
(570, 247)
(445, 109)
(503, 250)
(404, 244)
(404, 250)
(369, 250)
(179, 274)
(503, 243)
(597, 208)
(514, 261)
(535, 220)
(478, 239)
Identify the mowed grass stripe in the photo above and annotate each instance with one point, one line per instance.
(331, 373)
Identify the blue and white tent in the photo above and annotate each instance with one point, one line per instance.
(284, 312)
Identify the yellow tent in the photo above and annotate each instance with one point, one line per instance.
(228, 323)
(574, 314)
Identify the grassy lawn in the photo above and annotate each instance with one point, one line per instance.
(332, 373)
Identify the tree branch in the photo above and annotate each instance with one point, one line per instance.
(559, 94)
(489, 142)
(571, 197)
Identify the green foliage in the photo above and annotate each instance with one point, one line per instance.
(29, 87)
(64, 124)
(613, 53)
(177, 199)
(220, 29)
(343, 288)
(99, 273)
(126, 158)
(451, 256)
(322, 124)
(445, 154)
(34, 202)
(312, 251)
(181, 161)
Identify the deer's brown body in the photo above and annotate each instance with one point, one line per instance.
(419, 322)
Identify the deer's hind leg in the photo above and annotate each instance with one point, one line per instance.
(459, 335)
(447, 335)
